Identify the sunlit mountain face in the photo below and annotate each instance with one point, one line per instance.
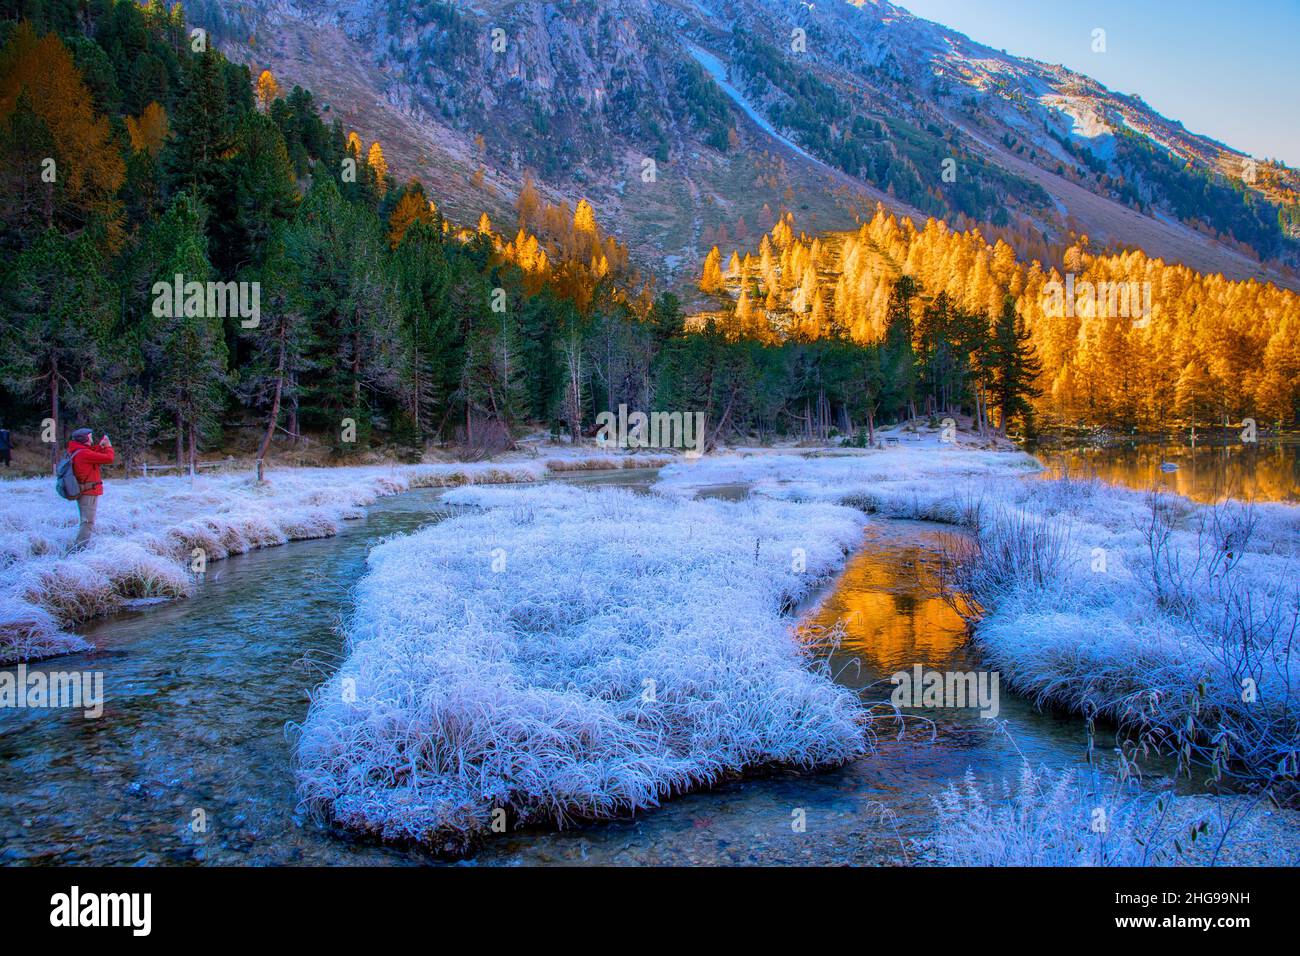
(751, 108)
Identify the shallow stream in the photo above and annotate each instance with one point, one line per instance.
(191, 761)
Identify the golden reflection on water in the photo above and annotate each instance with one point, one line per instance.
(887, 599)
(1268, 471)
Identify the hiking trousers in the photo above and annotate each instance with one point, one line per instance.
(87, 505)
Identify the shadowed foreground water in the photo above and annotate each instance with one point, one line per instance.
(200, 693)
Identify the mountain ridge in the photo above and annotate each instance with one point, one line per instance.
(866, 107)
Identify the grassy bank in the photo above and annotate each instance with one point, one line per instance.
(153, 535)
(566, 655)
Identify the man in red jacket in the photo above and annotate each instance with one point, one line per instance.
(86, 459)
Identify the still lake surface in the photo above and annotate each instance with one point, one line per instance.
(203, 695)
(1263, 471)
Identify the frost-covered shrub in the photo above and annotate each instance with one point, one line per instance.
(1006, 553)
(1064, 818)
(1161, 614)
(571, 654)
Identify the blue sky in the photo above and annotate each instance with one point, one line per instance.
(1229, 70)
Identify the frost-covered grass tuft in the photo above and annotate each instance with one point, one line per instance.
(567, 654)
(599, 462)
(148, 530)
(1063, 818)
(31, 632)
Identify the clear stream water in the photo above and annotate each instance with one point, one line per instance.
(203, 693)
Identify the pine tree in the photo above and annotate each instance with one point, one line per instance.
(27, 203)
(493, 387)
(528, 205)
(973, 345)
(186, 352)
(265, 194)
(1194, 399)
(584, 218)
(1279, 388)
(59, 307)
(1016, 368)
(412, 207)
(429, 335)
(203, 133)
(898, 359)
(280, 341)
(343, 289)
(149, 131)
(569, 341)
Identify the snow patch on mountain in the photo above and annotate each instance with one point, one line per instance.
(1088, 122)
(716, 69)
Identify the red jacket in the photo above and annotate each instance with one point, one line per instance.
(85, 465)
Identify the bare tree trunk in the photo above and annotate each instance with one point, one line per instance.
(573, 360)
(417, 398)
(54, 411)
(712, 440)
(180, 443)
(292, 417)
(356, 367)
(265, 446)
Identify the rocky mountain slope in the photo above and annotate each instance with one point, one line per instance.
(694, 122)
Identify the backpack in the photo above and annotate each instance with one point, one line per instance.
(65, 480)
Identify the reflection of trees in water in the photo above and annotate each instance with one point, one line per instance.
(1264, 472)
(887, 599)
(905, 604)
